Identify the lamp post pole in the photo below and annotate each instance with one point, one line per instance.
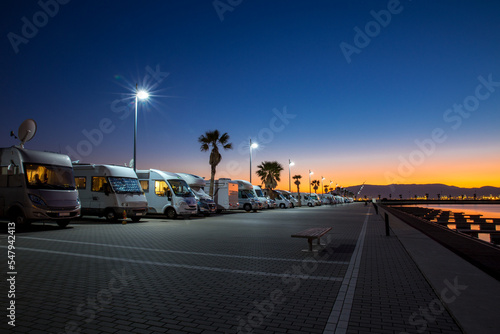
(310, 181)
(322, 191)
(139, 95)
(290, 163)
(254, 145)
(135, 130)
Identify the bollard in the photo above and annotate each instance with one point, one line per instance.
(387, 232)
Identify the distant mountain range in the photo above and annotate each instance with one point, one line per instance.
(410, 190)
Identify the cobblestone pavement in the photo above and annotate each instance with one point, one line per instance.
(229, 273)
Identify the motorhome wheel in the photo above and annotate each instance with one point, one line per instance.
(282, 205)
(247, 207)
(136, 219)
(170, 213)
(110, 215)
(17, 216)
(309, 204)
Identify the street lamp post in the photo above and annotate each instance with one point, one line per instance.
(290, 164)
(139, 95)
(322, 191)
(310, 173)
(254, 145)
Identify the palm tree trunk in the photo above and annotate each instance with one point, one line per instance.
(212, 181)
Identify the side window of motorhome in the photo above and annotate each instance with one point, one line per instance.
(49, 176)
(145, 185)
(99, 184)
(81, 182)
(162, 189)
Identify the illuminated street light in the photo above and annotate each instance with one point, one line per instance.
(322, 192)
(139, 95)
(290, 164)
(310, 173)
(254, 145)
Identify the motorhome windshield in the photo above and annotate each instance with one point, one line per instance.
(49, 177)
(181, 188)
(259, 193)
(247, 194)
(124, 185)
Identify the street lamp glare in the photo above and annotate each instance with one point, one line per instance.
(254, 145)
(292, 163)
(142, 95)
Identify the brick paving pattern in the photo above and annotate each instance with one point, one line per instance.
(237, 272)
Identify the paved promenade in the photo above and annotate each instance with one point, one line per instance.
(243, 273)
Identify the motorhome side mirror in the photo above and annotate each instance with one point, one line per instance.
(11, 168)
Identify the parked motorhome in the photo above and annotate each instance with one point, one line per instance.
(316, 199)
(37, 185)
(281, 200)
(305, 199)
(278, 197)
(246, 196)
(206, 205)
(110, 191)
(266, 202)
(225, 194)
(288, 196)
(167, 193)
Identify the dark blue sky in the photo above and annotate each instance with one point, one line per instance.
(350, 119)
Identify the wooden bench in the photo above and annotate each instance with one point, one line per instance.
(312, 233)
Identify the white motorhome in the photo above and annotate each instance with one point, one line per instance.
(206, 205)
(316, 199)
(246, 196)
(37, 185)
(281, 200)
(266, 202)
(288, 196)
(305, 199)
(277, 196)
(167, 193)
(225, 194)
(110, 191)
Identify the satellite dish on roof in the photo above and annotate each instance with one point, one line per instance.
(26, 131)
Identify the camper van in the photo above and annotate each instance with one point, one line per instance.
(288, 196)
(206, 204)
(266, 201)
(305, 199)
(281, 201)
(225, 194)
(246, 196)
(110, 191)
(167, 193)
(37, 185)
(316, 199)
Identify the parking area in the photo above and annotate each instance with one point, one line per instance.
(229, 273)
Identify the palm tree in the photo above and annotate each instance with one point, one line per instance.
(315, 185)
(297, 182)
(269, 173)
(212, 139)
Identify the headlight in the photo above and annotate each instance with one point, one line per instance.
(37, 200)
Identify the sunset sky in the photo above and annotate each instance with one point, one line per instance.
(377, 91)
